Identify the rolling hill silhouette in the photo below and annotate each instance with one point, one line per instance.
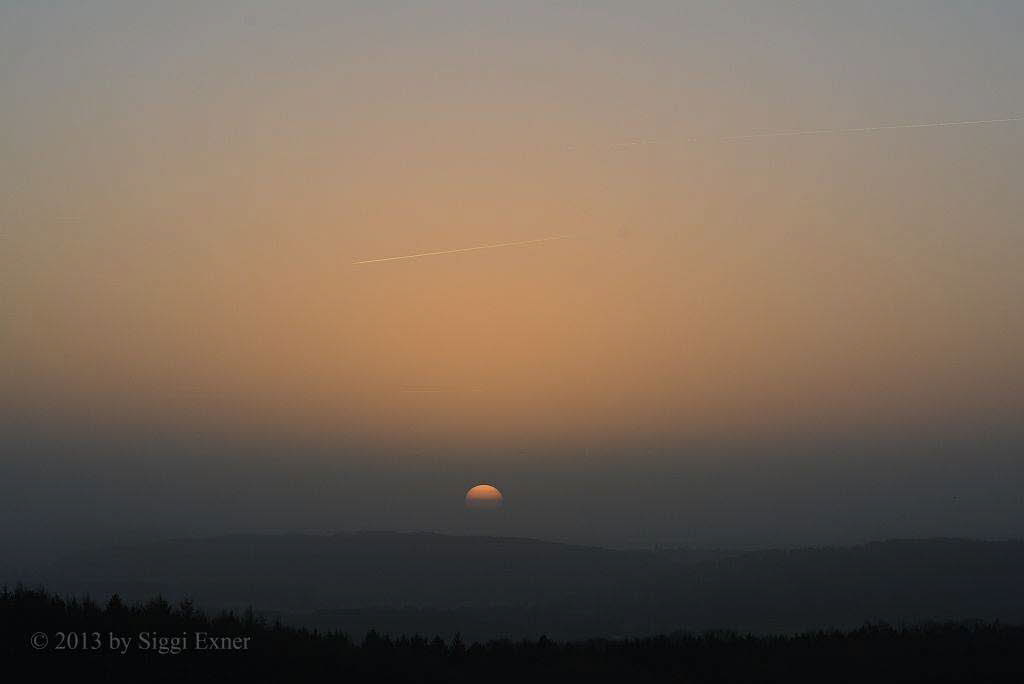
(495, 586)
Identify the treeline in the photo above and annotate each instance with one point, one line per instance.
(157, 640)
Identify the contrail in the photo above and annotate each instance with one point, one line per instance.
(463, 249)
(870, 129)
(637, 142)
(434, 390)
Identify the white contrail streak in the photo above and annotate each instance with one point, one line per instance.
(870, 129)
(463, 249)
(638, 142)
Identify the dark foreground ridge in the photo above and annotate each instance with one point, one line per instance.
(159, 641)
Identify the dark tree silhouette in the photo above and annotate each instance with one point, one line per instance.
(934, 652)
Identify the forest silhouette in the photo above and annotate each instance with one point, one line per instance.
(936, 652)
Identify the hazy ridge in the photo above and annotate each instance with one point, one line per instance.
(495, 586)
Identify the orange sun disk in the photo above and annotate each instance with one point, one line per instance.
(484, 496)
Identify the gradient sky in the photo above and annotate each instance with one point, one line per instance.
(737, 337)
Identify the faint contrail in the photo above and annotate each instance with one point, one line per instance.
(637, 142)
(434, 390)
(463, 249)
(870, 129)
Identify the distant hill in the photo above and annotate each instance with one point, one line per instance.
(307, 572)
(494, 586)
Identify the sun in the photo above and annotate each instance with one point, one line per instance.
(484, 496)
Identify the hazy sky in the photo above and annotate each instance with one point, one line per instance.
(767, 340)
